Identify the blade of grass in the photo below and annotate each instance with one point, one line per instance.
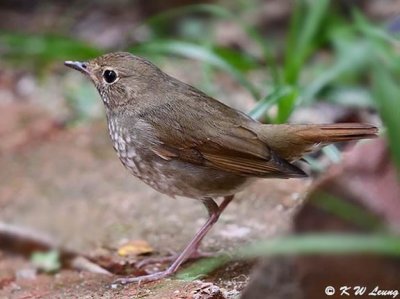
(289, 72)
(372, 30)
(241, 61)
(270, 100)
(315, 164)
(386, 92)
(355, 57)
(301, 35)
(332, 152)
(208, 72)
(302, 245)
(286, 106)
(303, 27)
(384, 45)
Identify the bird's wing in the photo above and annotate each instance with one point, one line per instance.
(215, 136)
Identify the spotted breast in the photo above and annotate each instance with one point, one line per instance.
(124, 147)
(133, 152)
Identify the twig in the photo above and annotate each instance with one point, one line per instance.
(24, 241)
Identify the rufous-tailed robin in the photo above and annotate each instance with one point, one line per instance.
(182, 142)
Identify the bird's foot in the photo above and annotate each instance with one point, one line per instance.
(158, 275)
(143, 279)
(167, 259)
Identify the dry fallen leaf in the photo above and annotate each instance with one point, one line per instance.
(135, 247)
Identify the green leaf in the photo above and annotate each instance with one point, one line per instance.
(47, 261)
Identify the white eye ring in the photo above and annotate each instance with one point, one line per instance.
(110, 76)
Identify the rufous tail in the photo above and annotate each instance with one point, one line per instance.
(291, 142)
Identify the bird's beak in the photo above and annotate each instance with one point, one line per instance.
(77, 65)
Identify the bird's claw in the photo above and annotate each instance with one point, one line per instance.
(161, 260)
(141, 279)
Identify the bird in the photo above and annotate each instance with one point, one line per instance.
(182, 142)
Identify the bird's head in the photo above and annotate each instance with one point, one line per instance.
(119, 77)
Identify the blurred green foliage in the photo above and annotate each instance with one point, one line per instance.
(356, 49)
(41, 50)
(307, 244)
(348, 211)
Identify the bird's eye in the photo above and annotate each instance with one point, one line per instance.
(110, 76)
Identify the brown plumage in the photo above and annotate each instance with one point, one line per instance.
(182, 142)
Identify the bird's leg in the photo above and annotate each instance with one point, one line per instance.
(214, 211)
(196, 252)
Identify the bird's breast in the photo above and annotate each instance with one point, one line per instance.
(124, 145)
